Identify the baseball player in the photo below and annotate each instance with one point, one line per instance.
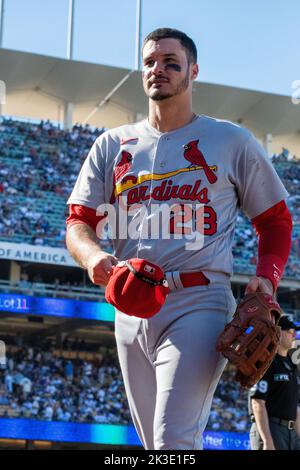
(205, 170)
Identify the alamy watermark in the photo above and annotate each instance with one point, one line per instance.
(157, 222)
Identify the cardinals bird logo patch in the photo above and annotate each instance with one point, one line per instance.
(194, 155)
(120, 170)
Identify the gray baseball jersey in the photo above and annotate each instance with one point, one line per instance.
(212, 167)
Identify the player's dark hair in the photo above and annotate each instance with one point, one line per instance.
(186, 42)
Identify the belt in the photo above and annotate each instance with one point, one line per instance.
(284, 422)
(178, 280)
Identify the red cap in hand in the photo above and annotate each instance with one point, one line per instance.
(137, 287)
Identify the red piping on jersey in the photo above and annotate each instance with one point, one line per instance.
(124, 141)
(274, 229)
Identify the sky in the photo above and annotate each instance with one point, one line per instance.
(251, 44)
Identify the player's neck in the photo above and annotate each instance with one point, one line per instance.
(282, 351)
(166, 116)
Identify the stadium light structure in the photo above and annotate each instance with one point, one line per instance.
(1, 21)
(138, 35)
(70, 33)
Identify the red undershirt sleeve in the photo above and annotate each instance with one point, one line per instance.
(83, 215)
(274, 230)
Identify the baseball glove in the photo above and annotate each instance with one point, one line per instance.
(251, 339)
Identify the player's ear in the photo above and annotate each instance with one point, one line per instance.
(194, 71)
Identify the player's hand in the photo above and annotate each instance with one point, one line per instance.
(268, 445)
(259, 284)
(99, 267)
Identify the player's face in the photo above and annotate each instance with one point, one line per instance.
(166, 71)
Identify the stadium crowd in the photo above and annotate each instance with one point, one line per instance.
(230, 406)
(35, 161)
(40, 383)
(39, 164)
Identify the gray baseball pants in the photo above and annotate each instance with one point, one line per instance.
(170, 367)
